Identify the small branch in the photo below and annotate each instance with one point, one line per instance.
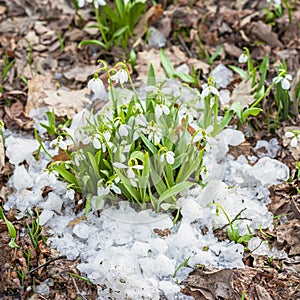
(46, 264)
(237, 217)
(77, 289)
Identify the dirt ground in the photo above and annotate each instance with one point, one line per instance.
(41, 38)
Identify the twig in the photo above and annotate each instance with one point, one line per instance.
(183, 44)
(235, 218)
(77, 289)
(46, 264)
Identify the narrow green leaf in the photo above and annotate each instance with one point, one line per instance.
(185, 77)
(166, 63)
(174, 190)
(92, 42)
(239, 71)
(254, 111)
(119, 32)
(69, 177)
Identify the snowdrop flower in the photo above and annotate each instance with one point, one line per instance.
(168, 156)
(274, 2)
(121, 76)
(208, 89)
(95, 140)
(123, 130)
(70, 194)
(294, 138)
(161, 109)
(130, 171)
(187, 110)
(154, 133)
(58, 142)
(101, 190)
(122, 150)
(96, 86)
(96, 2)
(114, 187)
(285, 81)
(243, 58)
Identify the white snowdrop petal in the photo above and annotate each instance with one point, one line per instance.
(166, 109)
(277, 79)
(294, 142)
(116, 189)
(285, 84)
(130, 173)
(81, 3)
(138, 167)
(123, 131)
(96, 143)
(119, 165)
(205, 92)
(214, 90)
(288, 76)
(86, 140)
(243, 58)
(62, 145)
(289, 134)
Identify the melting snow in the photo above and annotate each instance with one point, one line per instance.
(119, 250)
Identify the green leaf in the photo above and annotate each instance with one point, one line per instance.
(10, 227)
(68, 176)
(174, 190)
(148, 144)
(237, 108)
(239, 71)
(166, 63)
(137, 154)
(185, 77)
(252, 111)
(119, 32)
(92, 42)
(151, 80)
(244, 238)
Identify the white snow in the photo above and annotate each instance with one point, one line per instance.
(19, 149)
(120, 251)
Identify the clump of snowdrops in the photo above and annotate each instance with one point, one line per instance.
(115, 21)
(146, 151)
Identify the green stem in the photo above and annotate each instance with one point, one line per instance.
(100, 25)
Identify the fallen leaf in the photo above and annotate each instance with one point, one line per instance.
(80, 73)
(153, 14)
(242, 93)
(76, 221)
(211, 285)
(162, 232)
(264, 33)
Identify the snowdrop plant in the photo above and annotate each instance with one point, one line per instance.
(257, 75)
(115, 21)
(136, 150)
(281, 94)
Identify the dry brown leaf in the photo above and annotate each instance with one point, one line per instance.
(66, 103)
(232, 50)
(42, 93)
(80, 73)
(153, 14)
(264, 32)
(76, 221)
(162, 232)
(143, 60)
(211, 285)
(198, 65)
(242, 93)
